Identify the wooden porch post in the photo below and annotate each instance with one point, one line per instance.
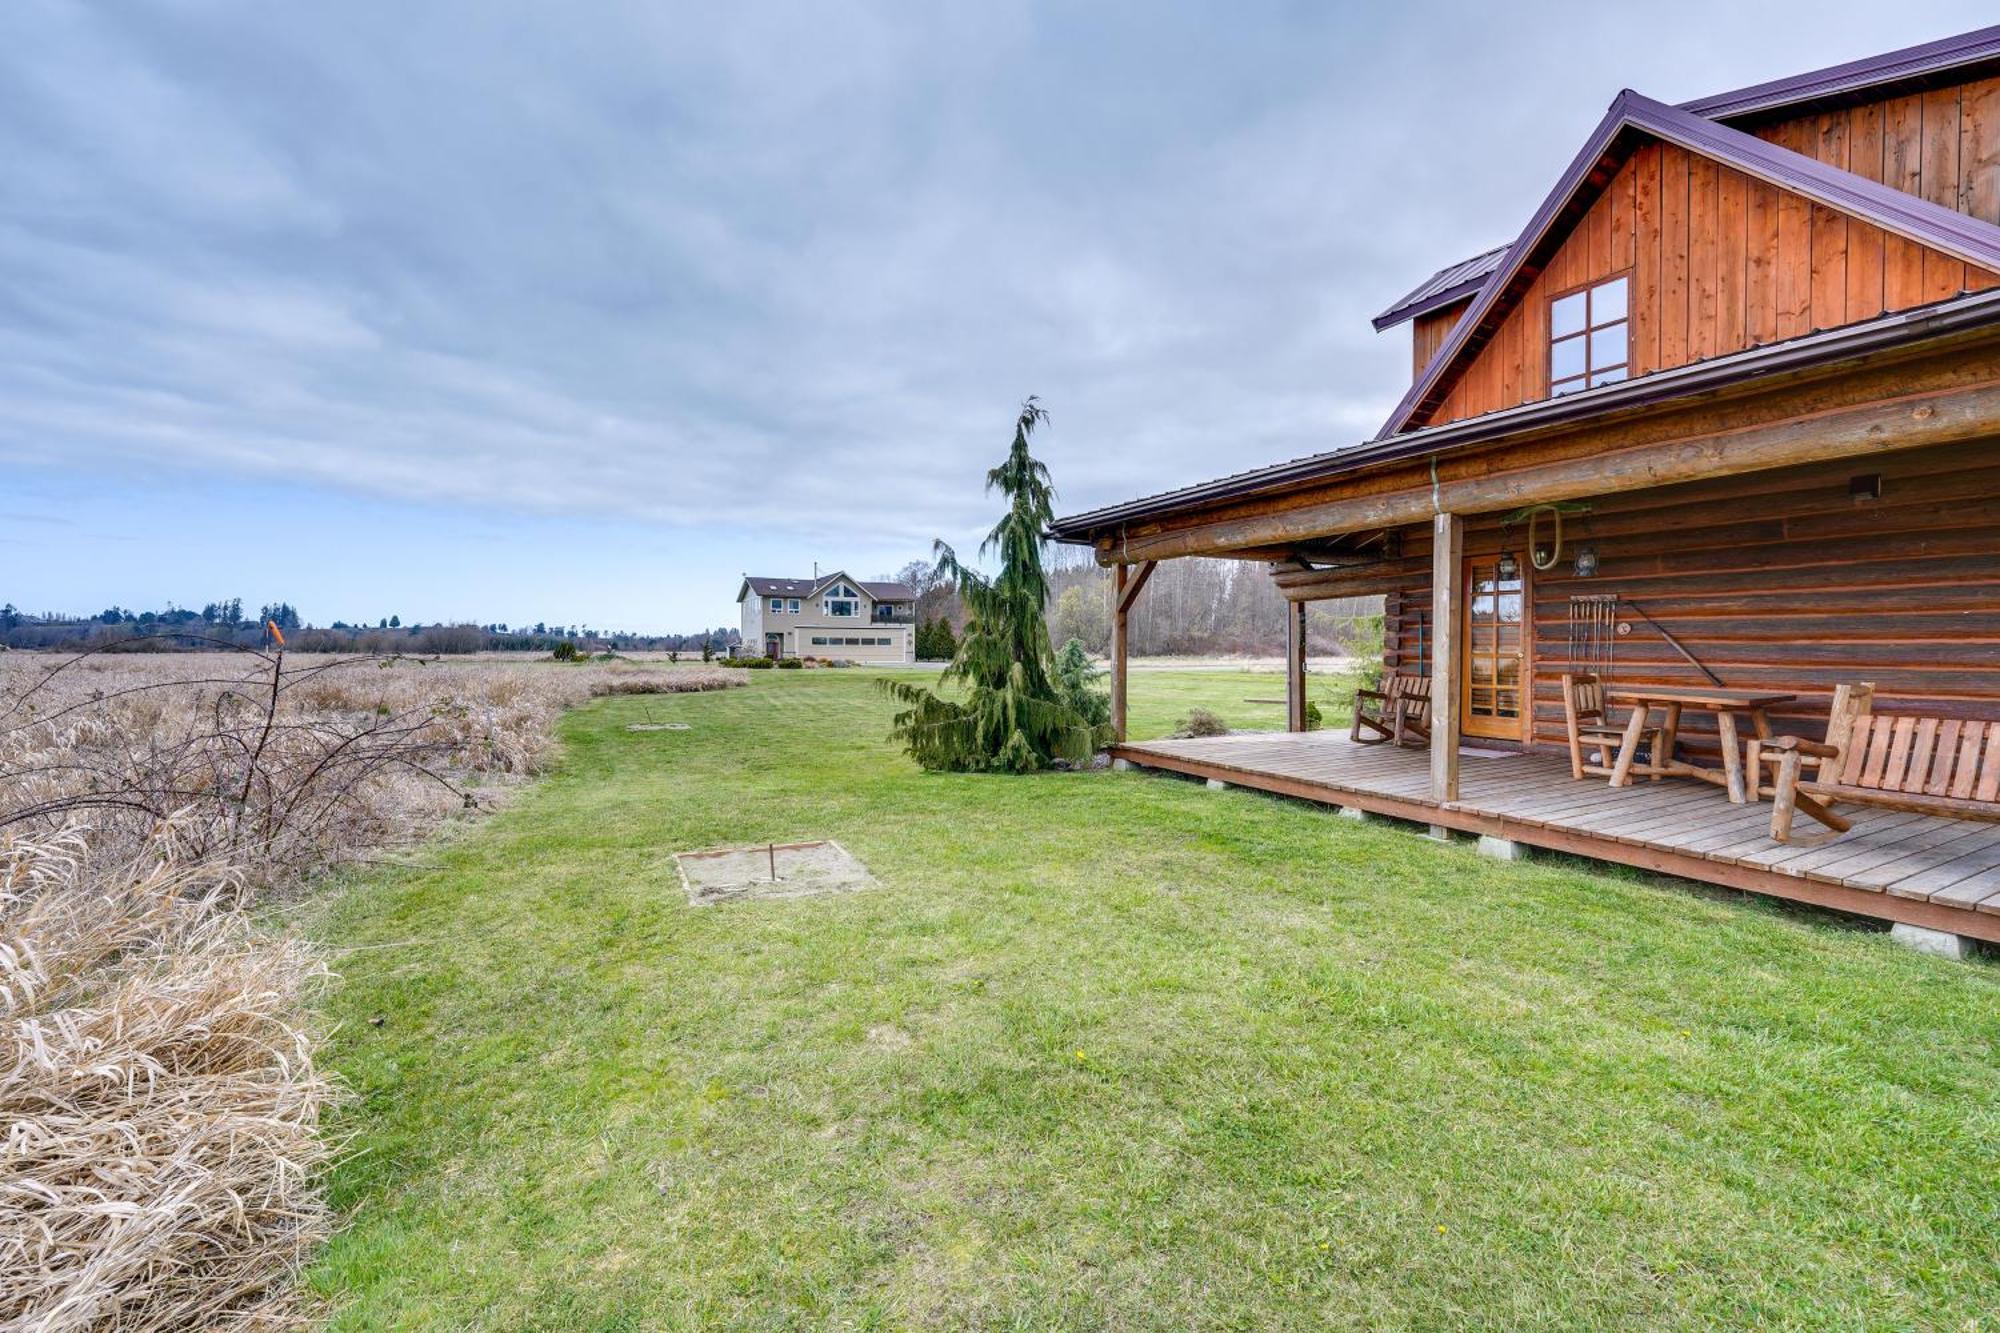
(1125, 588)
(1295, 666)
(1119, 575)
(1447, 558)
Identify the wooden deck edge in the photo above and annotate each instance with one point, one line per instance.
(1662, 860)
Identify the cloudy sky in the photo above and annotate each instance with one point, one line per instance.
(512, 311)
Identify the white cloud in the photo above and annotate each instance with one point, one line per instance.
(795, 265)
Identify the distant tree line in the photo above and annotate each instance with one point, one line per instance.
(223, 624)
(1190, 608)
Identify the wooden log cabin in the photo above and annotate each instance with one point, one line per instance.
(1724, 414)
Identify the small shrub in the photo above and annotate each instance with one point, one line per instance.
(1201, 722)
(789, 664)
(758, 664)
(1313, 718)
(1076, 680)
(564, 652)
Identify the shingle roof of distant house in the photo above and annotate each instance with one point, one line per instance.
(1455, 282)
(764, 587)
(773, 587)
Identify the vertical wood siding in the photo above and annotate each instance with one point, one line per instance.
(1721, 262)
(1774, 580)
(1427, 334)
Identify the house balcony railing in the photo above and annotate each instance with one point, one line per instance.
(882, 617)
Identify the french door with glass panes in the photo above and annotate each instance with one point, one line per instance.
(1496, 698)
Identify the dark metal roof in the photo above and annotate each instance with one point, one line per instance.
(770, 587)
(764, 587)
(1919, 220)
(1456, 282)
(1961, 313)
(1912, 63)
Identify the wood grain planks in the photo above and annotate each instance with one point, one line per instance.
(1722, 262)
(1909, 866)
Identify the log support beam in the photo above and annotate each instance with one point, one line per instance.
(1127, 581)
(1295, 666)
(1447, 588)
(1693, 445)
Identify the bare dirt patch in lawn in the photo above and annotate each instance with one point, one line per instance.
(779, 870)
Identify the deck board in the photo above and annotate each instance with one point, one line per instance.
(1924, 868)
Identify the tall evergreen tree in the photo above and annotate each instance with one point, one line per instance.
(1014, 717)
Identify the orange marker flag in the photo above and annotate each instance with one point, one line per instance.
(276, 633)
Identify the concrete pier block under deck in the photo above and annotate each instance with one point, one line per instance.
(1121, 765)
(1353, 812)
(1940, 943)
(1217, 784)
(1502, 849)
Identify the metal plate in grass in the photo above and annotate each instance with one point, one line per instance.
(656, 726)
(775, 870)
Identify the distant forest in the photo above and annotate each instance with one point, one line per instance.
(1190, 608)
(227, 624)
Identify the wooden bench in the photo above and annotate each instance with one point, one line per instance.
(1926, 765)
(1400, 714)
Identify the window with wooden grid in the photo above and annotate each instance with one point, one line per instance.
(1590, 337)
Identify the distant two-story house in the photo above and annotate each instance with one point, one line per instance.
(831, 617)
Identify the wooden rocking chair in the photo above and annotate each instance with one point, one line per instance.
(1399, 714)
(1588, 727)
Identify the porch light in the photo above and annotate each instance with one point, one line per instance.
(1508, 569)
(1586, 562)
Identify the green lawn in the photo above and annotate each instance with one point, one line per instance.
(1244, 699)
(1112, 1050)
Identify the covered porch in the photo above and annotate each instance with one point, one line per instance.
(1923, 870)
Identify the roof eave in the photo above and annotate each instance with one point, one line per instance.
(1402, 314)
(1958, 234)
(1901, 329)
(1855, 76)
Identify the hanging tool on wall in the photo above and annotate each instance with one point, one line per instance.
(1593, 632)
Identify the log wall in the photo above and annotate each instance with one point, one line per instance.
(1777, 579)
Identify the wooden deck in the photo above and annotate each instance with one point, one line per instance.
(1925, 870)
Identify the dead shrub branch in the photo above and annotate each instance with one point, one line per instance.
(160, 1109)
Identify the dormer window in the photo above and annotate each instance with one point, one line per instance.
(841, 600)
(1590, 337)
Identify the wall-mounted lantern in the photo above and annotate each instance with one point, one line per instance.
(1508, 569)
(1586, 562)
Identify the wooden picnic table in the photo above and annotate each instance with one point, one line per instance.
(1671, 700)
